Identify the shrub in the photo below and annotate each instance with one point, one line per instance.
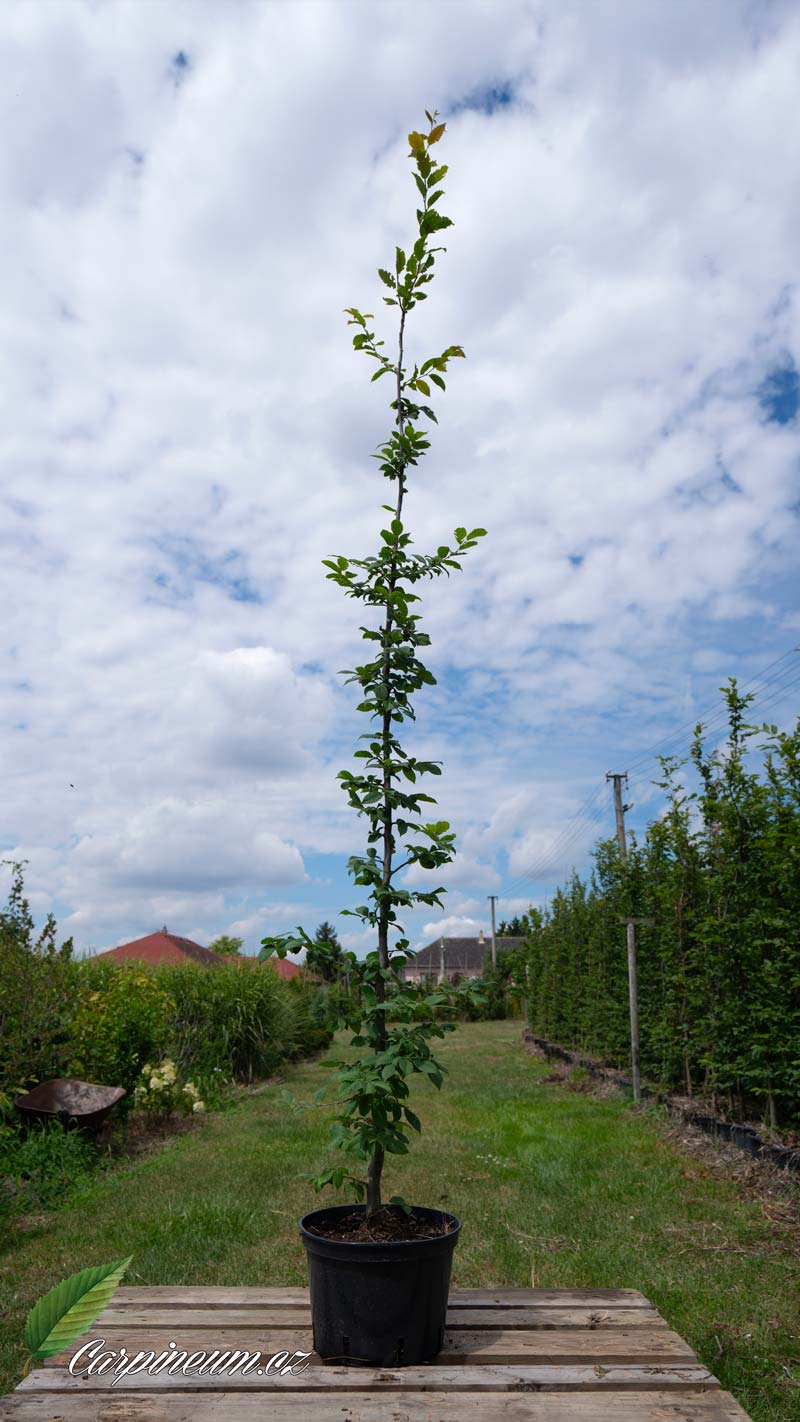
(36, 977)
(161, 1092)
(310, 1015)
(121, 1020)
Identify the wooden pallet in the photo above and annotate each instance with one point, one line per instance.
(510, 1355)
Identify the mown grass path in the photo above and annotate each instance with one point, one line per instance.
(554, 1188)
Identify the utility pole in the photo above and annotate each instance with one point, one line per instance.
(630, 929)
(493, 900)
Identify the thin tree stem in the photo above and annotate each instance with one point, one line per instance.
(375, 1168)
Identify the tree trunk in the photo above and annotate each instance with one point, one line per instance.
(375, 1167)
(374, 1172)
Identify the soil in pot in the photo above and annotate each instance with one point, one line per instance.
(379, 1301)
(383, 1226)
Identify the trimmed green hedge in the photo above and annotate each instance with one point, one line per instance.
(718, 875)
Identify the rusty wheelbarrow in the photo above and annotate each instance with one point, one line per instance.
(82, 1102)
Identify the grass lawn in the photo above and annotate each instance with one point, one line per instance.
(554, 1188)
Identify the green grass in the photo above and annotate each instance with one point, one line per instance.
(554, 1188)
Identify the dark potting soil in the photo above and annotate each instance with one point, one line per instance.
(384, 1227)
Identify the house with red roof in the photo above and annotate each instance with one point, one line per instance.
(163, 947)
(285, 969)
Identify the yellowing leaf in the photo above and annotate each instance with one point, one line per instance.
(416, 142)
(436, 133)
(71, 1307)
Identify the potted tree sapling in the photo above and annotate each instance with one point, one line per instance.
(379, 1271)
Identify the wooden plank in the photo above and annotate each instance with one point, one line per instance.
(429, 1378)
(570, 1345)
(131, 1315)
(182, 1296)
(360, 1407)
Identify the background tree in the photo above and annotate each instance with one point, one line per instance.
(226, 946)
(391, 1024)
(510, 927)
(327, 964)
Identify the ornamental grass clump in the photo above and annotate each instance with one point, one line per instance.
(392, 1026)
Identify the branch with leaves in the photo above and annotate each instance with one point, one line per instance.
(392, 1026)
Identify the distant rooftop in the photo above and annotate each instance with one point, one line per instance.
(162, 947)
(460, 954)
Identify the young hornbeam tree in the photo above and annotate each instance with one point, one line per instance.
(392, 1022)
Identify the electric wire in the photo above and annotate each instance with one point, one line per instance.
(573, 830)
(588, 814)
(718, 713)
(776, 678)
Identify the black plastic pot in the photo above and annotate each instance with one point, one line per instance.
(747, 1140)
(378, 1304)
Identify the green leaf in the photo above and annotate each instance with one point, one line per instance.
(71, 1307)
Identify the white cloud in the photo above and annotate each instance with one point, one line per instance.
(452, 926)
(186, 432)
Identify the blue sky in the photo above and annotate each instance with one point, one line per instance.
(190, 194)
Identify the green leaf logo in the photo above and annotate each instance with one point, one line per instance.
(71, 1307)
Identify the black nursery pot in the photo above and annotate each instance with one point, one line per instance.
(378, 1304)
(746, 1139)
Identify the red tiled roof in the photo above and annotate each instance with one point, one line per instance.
(284, 968)
(163, 947)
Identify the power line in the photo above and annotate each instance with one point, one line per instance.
(777, 682)
(718, 720)
(589, 813)
(565, 840)
(567, 833)
(779, 694)
(717, 713)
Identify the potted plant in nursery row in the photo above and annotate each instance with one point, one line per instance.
(379, 1272)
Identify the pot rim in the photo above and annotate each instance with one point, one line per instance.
(376, 1243)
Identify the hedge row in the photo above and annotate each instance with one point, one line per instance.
(718, 875)
(102, 1022)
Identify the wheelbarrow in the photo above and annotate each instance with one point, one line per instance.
(82, 1102)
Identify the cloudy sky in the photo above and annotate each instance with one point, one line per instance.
(190, 194)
